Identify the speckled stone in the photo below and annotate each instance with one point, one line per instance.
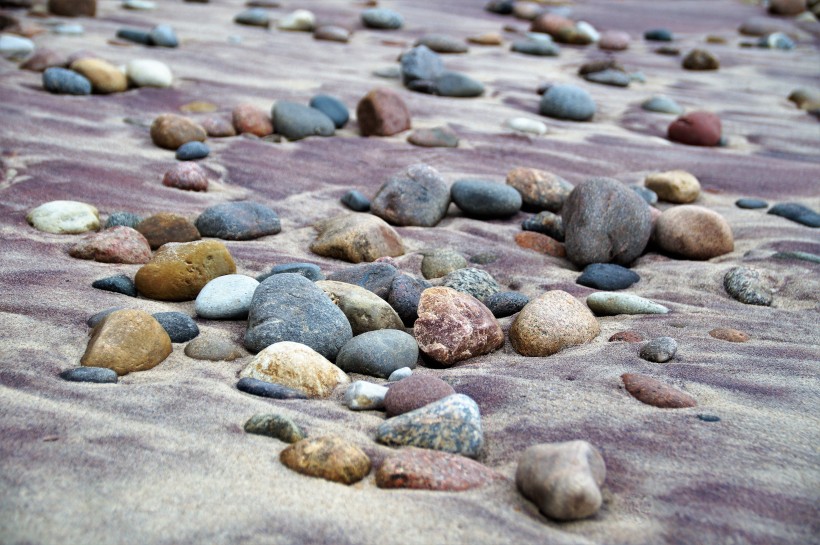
(264, 388)
(214, 348)
(274, 425)
(405, 292)
(415, 392)
(119, 283)
(659, 350)
(606, 303)
(675, 186)
(127, 341)
(365, 396)
(551, 322)
(243, 220)
(178, 271)
(607, 276)
(96, 375)
(417, 196)
(567, 102)
(656, 393)
(693, 232)
(747, 285)
(365, 310)
(179, 326)
(421, 469)
(115, 245)
(167, 227)
(382, 112)
(61, 81)
(187, 176)
(247, 118)
(540, 190)
(420, 64)
(506, 303)
(356, 238)
(485, 199)
(545, 223)
(700, 59)
(476, 282)
(330, 458)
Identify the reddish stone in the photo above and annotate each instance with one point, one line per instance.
(217, 126)
(696, 129)
(249, 118)
(424, 469)
(382, 112)
(44, 58)
(728, 334)
(166, 227)
(415, 392)
(540, 243)
(627, 336)
(73, 8)
(170, 131)
(614, 40)
(550, 23)
(656, 393)
(116, 245)
(188, 176)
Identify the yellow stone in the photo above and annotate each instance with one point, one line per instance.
(126, 341)
(677, 186)
(105, 78)
(179, 270)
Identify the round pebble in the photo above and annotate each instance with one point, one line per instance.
(441, 43)
(400, 374)
(330, 458)
(253, 17)
(296, 121)
(693, 232)
(607, 276)
(536, 48)
(662, 104)
(659, 350)
(696, 129)
(485, 199)
(226, 297)
(675, 186)
(331, 107)
(378, 353)
(567, 102)
(126, 219)
(299, 20)
(186, 176)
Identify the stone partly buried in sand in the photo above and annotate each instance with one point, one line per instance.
(330, 457)
(365, 310)
(179, 326)
(376, 277)
(605, 303)
(356, 238)
(296, 366)
(700, 59)
(656, 393)
(417, 196)
(551, 322)
(170, 131)
(436, 137)
(421, 469)
(127, 341)
(693, 232)
(64, 217)
(747, 285)
(296, 121)
(659, 350)
(167, 227)
(382, 112)
(729, 334)
(562, 479)
(275, 425)
(696, 129)
(214, 348)
(676, 186)
(178, 271)
(116, 245)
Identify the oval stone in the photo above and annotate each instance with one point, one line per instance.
(693, 232)
(178, 271)
(127, 341)
(330, 458)
(244, 220)
(551, 322)
(485, 199)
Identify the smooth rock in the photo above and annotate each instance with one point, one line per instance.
(97, 375)
(217, 126)
(405, 292)
(170, 131)
(247, 118)
(567, 102)
(64, 217)
(400, 374)
(615, 78)
(442, 262)
(546, 223)
(656, 393)
(700, 59)
(437, 137)
(537, 48)
(551, 23)
(729, 334)
(149, 73)
(191, 151)
(540, 190)
(179, 326)
(299, 20)
(73, 8)
(365, 310)
(164, 36)
(119, 283)
(442, 43)
(365, 396)
(274, 425)
(15, 48)
(332, 107)
(646, 194)
(476, 282)
(551, 322)
(506, 303)
(264, 388)
(787, 7)
(332, 33)
(115, 245)
(253, 17)
(382, 112)
(166, 227)
(382, 19)
(607, 276)
(136, 35)
(797, 213)
(614, 40)
(605, 303)
(675, 186)
(456, 84)
(186, 176)
(627, 336)
(417, 196)
(139, 5)
(540, 243)
(658, 35)
(310, 271)
(485, 199)
(330, 458)
(415, 392)
(751, 203)
(659, 350)
(777, 40)
(242, 220)
(375, 277)
(178, 271)
(214, 348)
(356, 200)
(420, 63)
(693, 232)
(662, 104)
(226, 298)
(104, 77)
(61, 81)
(296, 121)
(747, 286)
(526, 125)
(356, 238)
(420, 469)
(127, 341)
(696, 129)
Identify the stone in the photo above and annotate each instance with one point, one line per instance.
(441, 262)
(247, 118)
(332, 33)
(605, 222)
(296, 121)
(214, 348)
(605, 303)
(418, 196)
(506, 303)
(289, 307)
(179, 326)
(382, 112)
(61, 81)
(437, 137)
(170, 131)
(748, 286)
(365, 396)
(217, 126)
(485, 199)
(270, 390)
(804, 98)
(115, 245)
(296, 366)
(365, 310)
(751, 203)
(253, 17)
(73, 8)
(41, 59)
(388, 72)
(585, 29)
(675, 186)
(127, 341)
(540, 243)
(777, 40)
(330, 458)
(693, 232)
(646, 194)
(563, 479)
(405, 292)
(442, 43)
(187, 176)
(550, 23)
(614, 40)
(700, 59)
(299, 20)
(178, 271)
(607, 276)
(104, 77)
(119, 283)
(126, 219)
(540, 190)
(96, 375)
(378, 353)
(787, 7)
(308, 270)
(659, 350)
(487, 39)
(668, 50)
(526, 125)
(356, 200)
(420, 64)
(164, 36)
(15, 48)
(662, 104)
(803, 256)
(501, 7)
(149, 73)
(567, 102)
(551, 322)
(241, 220)
(627, 336)
(64, 217)
(332, 107)
(375, 277)
(615, 78)
(546, 223)
(476, 282)
(191, 151)
(382, 19)
(226, 297)
(420, 469)
(729, 334)
(356, 238)
(656, 393)
(696, 129)
(456, 84)
(537, 48)
(139, 5)
(451, 424)
(98, 317)
(274, 425)
(797, 213)
(135, 35)
(658, 35)
(167, 227)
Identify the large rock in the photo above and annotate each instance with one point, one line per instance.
(126, 341)
(356, 238)
(551, 322)
(365, 310)
(693, 232)
(64, 217)
(296, 366)
(179, 270)
(116, 245)
(418, 196)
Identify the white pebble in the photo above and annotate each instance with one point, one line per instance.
(588, 30)
(15, 47)
(149, 73)
(364, 396)
(64, 217)
(301, 19)
(525, 124)
(226, 297)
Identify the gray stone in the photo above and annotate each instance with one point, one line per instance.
(365, 310)
(506, 303)
(546, 223)
(747, 286)
(179, 326)
(615, 78)
(567, 102)
(382, 18)
(119, 283)
(662, 104)
(97, 317)
(126, 219)
(262, 388)
(607, 276)
(15, 48)
(441, 43)
(296, 121)
(418, 196)
(659, 350)
(332, 107)
(97, 375)
(400, 374)
(62, 81)
(243, 220)
(537, 48)
(226, 297)
(405, 292)
(485, 199)
(274, 425)
(308, 270)
(480, 284)
(420, 63)
(645, 193)
(191, 151)
(378, 353)
(365, 396)
(356, 200)
(605, 303)
(253, 17)
(456, 84)
(376, 277)
(214, 348)
(164, 36)
(441, 262)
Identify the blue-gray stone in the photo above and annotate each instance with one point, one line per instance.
(456, 84)
(662, 104)
(15, 48)
(746, 285)
(296, 121)
(485, 199)
(659, 350)
(190, 151)
(451, 424)
(98, 375)
(803, 256)
(253, 17)
(69, 29)
(797, 213)
(400, 374)
(417, 196)
(122, 218)
(135, 35)
(242, 220)
(376, 277)
(567, 102)
(546, 223)
(426, 86)
(420, 63)
(356, 200)
(607, 303)
(538, 48)
(332, 107)
(776, 40)
(120, 283)
(163, 36)
(751, 203)
(378, 353)
(261, 388)
(658, 35)
(382, 18)
(506, 303)
(480, 284)
(308, 270)
(616, 78)
(179, 326)
(405, 292)
(62, 81)
(607, 276)
(94, 319)
(645, 193)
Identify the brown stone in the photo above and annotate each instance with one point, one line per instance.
(540, 190)
(728, 334)
(73, 8)
(186, 175)
(179, 271)
(787, 7)
(488, 38)
(656, 393)
(693, 232)
(414, 392)
(382, 112)
(551, 322)
(214, 348)
(356, 238)
(676, 186)
(217, 126)
(126, 341)
(424, 469)
(540, 243)
(119, 244)
(454, 326)
(166, 227)
(437, 137)
(248, 118)
(105, 78)
(627, 336)
(552, 24)
(170, 131)
(696, 129)
(331, 458)
(700, 59)
(44, 58)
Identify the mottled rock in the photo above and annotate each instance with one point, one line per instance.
(42, 58)
(540, 190)
(127, 341)
(797, 213)
(365, 310)
(627, 336)
(607, 276)
(480, 284)
(356, 238)
(659, 350)
(656, 393)
(506, 303)
(296, 121)
(441, 262)
(676, 186)
(97, 375)
(417, 196)
(405, 292)
(64, 217)
(61, 81)
(420, 469)
(551, 322)
(167, 227)
(179, 326)
(119, 283)
(243, 220)
(226, 298)
(540, 243)
(729, 334)
(105, 78)
(696, 129)
(693, 232)
(567, 102)
(747, 286)
(170, 131)
(330, 458)
(485, 199)
(700, 59)
(605, 303)
(414, 392)
(274, 425)
(263, 388)
(247, 118)
(296, 366)
(437, 137)
(178, 271)
(365, 396)
(214, 348)
(116, 245)
(382, 112)
(545, 223)
(187, 176)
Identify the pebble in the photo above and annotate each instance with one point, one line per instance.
(332, 33)
(166, 227)
(441, 43)
(275, 425)
(214, 348)
(365, 310)
(382, 19)
(64, 217)
(675, 186)
(217, 126)
(708, 418)
(388, 72)
(299, 20)
(693, 232)
(787, 7)
(405, 293)
(586, 29)
(659, 350)
(436, 137)
(365, 396)
(537, 48)
(747, 286)
(420, 63)
(97, 375)
(127, 341)
(540, 243)
(696, 129)
(135, 35)
(241, 220)
(797, 213)
(487, 38)
(170, 131)
(139, 5)
(62, 81)
(506, 303)
(454, 326)
(104, 77)
(420, 469)
(332, 107)
(451, 424)
(41, 59)
(485, 199)
(191, 151)
(186, 176)
(119, 283)
(614, 40)
(253, 17)
(415, 392)
(776, 40)
(658, 35)
(375, 277)
(539, 189)
(382, 112)
(656, 393)
(607, 276)
(356, 200)
(605, 221)
(476, 282)
(356, 238)
(646, 194)
(163, 36)
(662, 104)
(247, 118)
(563, 479)
(226, 297)
(115, 245)
(15, 48)
(289, 307)
(149, 73)
(668, 50)
(296, 121)
(526, 125)
(308, 270)
(627, 336)
(700, 59)
(441, 262)
(417, 196)
(605, 303)
(98, 317)
(179, 326)
(296, 366)
(751, 203)
(615, 78)
(73, 8)
(178, 271)
(126, 219)
(263, 388)
(330, 458)
(730, 335)
(803, 97)
(400, 374)
(551, 322)
(567, 102)
(501, 7)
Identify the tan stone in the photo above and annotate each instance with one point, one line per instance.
(356, 238)
(694, 232)
(488, 38)
(331, 458)
(126, 341)
(540, 190)
(179, 270)
(214, 348)
(365, 310)
(677, 186)
(551, 322)
(105, 78)
(170, 131)
(296, 366)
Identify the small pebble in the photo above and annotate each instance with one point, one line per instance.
(356, 238)
(41, 59)
(646, 194)
(506, 303)
(126, 219)
(526, 125)
(356, 200)
(62, 81)
(485, 199)
(97, 375)
(708, 418)
(441, 43)
(64, 217)
(105, 78)
(614, 40)
(540, 243)
(659, 350)
(191, 151)
(378, 353)
(605, 303)
(178, 271)
(15, 48)
(658, 35)
(274, 425)
(332, 33)
(797, 213)
(436, 137)
(614, 78)
(116, 245)
(382, 112)
(296, 121)
(135, 35)
(120, 283)
(700, 59)
(400, 374)
(662, 104)
(405, 293)
(551, 322)
(747, 286)
(263, 388)
(253, 17)
(536, 48)
(476, 282)
(166, 227)
(696, 129)
(247, 118)
(127, 341)
(214, 348)
(456, 84)
(656, 393)
(308, 270)
(382, 18)
(69, 29)
(441, 262)
(239, 220)
(170, 131)
(607, 276)
(149, 73)
(187, 176)
(776, 40)
(750, 203)
(626, 336)
(693, 232)
(675, 186)
(98, 317)
(163, 36)
(567, 102)
(365, 396)
(422, 469)
(179, 326)
(299, 20)
(728, 334)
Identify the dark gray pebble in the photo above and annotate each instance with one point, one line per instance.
(308, 270)
(796, 212)
(456, 84)
(378, 353)
(332, 107)
(607, 276)
(485, 199)
(659, 350)
(506, 303)
(253, 17)
(98, 375)
(376, 277)
(179, 326)
(501, 7)
(426, 86)
(615, 78)
(135, 35)
(420, 63)
(545, 223)
(356, 200)
(267, 389)
(751, 203)
(243, 220)
(803, 256)
(61, 81)
(658, 35)
(708, 418)
(405, 292)
(382, 18)
(119, 283)
(190, 151)
(296, 121)
(538, 48)
(94, 319)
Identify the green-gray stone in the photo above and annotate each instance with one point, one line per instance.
(604, 303)
(275, 425)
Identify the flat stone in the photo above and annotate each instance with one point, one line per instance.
(540, 243)
(300, 20)
(382, 112)
(115, 245)
(627, 337)
(310, 271)
(615, 78)
(567, 102)
(226, 297)
(526, 125)
(191, 151)
(485, 199)
(420, 469)
(179, 326)
(414, 392)
(417, 196)
(214, 348)
(178, 271)
(187, 176)
(442, 43)
(375, 277)
(274, 425)
(656, 393)
(247, 118)
(149, 73)
(696, 129)
(441, 262)
(332, 107)
(243, 220)
(437, 137)
(658, 35)
(456, 84)
(540, 190)
(105, 78)
(675, 186)
(747, 286)
(218, 126)
(263, 388)
(607, 276)
(365, 310)
(693, 232)
(803, 256)
(614, 40)
(119, 283)
(797, 213)
(659, 350)
(605, 303)
(16, 48)
(330, 458)
(487, 38)
(365, 396)
(356, 200)
(546, 223)
(166, 227)
(551, 322)
(296, 121)
(170, 131)
(127, 341)
(751, 203)
(506, 303)
(382, 19)
(97, 375)
(332, 33)
(253, 17)
(405, 293)
(136, 35)
(729, 334)
(64, 217)
(356, 238)
(700, 59)
(537, 48)
(662, 104)
(164, 36)
(476, 282)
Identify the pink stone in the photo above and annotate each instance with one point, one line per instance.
(249, 118)
(188, 176)
(116, 245)
(218, 127)
(423, 469)
(696, 129)
(614, 40)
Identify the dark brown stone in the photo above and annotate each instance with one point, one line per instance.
(166, 227)
(414, 392)
(423, 469)
(700, 59)
(382, 112)
(73, 8)
(696, 129)
(656, 393)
